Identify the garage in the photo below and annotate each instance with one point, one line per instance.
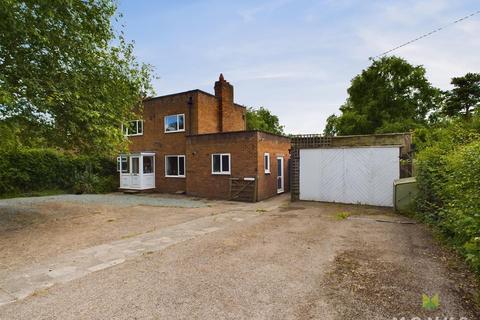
(358, 169)
(363, 175)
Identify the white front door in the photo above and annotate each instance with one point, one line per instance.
(125, 176)
(135, 171)
(280, 178)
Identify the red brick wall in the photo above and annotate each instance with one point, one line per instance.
(208, 114)
(276, 146)
(200, 181)
(247, 150)
(209, 120)
(237, 118)
(155, 139)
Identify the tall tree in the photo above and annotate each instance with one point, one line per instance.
(65, 68)
(464, 98)
(389, 96)
(262, 119)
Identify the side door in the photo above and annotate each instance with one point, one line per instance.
(280, 175)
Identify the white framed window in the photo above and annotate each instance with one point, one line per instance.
(266, 162)
(175, 166)
(148, 164)
(221, 163)
(133, 128)
(122, 164)
(175, 123)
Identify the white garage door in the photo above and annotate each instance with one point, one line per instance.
(349, 175)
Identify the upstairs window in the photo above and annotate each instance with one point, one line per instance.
(266, 162)
(175, 166)
(221, 163)
(133, 128)
(175, 123)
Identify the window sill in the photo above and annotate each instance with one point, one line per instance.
(134, 135)
(176, 131)
(174, 176)
(267, 173)
(221, 173)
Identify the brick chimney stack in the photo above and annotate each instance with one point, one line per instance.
(224, 94)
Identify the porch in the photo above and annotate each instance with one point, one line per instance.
(137, 170)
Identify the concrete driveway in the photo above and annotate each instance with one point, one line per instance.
(163, 257)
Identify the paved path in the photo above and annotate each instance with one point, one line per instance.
(22, 283)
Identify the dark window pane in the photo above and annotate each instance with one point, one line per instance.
(180, 122)
(225, 163)
(132, 127)
(172, 166)
(148, 164)
(279, 167)
(216, 163)
(279, 183)
(140, 127)
(267, 162)
(181, 166)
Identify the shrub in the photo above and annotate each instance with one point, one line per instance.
(461, 195)
(27, 170)
(449, 198)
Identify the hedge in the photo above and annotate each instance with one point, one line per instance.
(29, 170)
(449, 184)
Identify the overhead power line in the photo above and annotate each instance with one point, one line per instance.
(425, 35)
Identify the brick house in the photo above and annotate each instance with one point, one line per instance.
(197, 143)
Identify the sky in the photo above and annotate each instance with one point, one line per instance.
(296, 57)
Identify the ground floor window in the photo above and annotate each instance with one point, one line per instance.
(221, 163)
(175, 166)
(266, 161)
(122, 164)
(148, 164)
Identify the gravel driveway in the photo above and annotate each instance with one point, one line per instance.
(271, 260)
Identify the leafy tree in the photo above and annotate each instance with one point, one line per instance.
(464, 98)
(331, 126)
(64, 68)
(390, 95)
(262, 119)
